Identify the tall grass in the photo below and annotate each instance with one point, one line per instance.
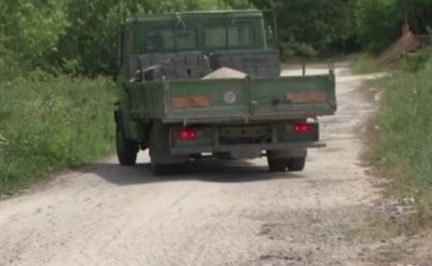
(404, 138)
(49, 122)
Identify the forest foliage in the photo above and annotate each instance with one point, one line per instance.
(70, 33)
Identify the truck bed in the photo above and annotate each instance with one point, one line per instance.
(234, 100)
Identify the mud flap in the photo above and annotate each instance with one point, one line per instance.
(159, 146)
(246, 153)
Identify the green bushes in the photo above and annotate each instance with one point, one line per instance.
(52, 32)
(311, 28)
(49, 122)
(32, 29)
(379, 23)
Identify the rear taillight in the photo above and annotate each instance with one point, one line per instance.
(187, 134)
(301, 127)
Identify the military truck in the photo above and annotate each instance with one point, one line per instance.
(169, 106)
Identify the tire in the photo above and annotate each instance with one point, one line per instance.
(296, 164)
(276, 164)
(126, 149)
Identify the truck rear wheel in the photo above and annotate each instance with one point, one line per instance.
(296, 164)
(126, 149)
(276, 164)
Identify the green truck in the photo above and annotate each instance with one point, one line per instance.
(169, 106)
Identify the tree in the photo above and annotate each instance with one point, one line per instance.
(32, 28)
(72, 32)
(418, 13)
(310, 27)
(378, 23)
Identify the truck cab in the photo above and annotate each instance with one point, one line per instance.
(172, 107)
(200, 32)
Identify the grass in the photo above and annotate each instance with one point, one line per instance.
(364, 64)
(403, 139)
(49, 122)
(400, 148)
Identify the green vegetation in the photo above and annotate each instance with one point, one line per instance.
(317, 28)
(403, 136)
(379, 22)
(313, 28)
(365, 64)
(55, 33)
(68, 34)
(48, 122)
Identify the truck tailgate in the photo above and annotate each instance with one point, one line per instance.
(215, 101)
(295, 97)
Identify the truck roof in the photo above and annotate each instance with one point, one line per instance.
(196, 14)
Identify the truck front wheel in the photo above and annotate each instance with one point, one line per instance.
(126, 149)
(296, 164)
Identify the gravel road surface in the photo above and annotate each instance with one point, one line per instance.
(209, 213)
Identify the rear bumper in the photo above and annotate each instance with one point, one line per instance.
(262, 147)
(250, 139)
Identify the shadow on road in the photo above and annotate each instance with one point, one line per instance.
(208, 171)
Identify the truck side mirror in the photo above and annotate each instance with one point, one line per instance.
(270, 20)
(270, 35)
(104, 58)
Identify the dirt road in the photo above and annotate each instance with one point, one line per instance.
(211, 213)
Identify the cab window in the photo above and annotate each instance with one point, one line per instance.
(232, 36)
(215, 37)
(240, 36)
(159, 39)
(186, 39)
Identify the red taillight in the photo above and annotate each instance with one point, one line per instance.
(187, 134)
(301, 127)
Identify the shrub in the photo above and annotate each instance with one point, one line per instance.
(48, 122)
(379, 23)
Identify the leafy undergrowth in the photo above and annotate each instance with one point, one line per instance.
(403, 150)
(48, 122)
